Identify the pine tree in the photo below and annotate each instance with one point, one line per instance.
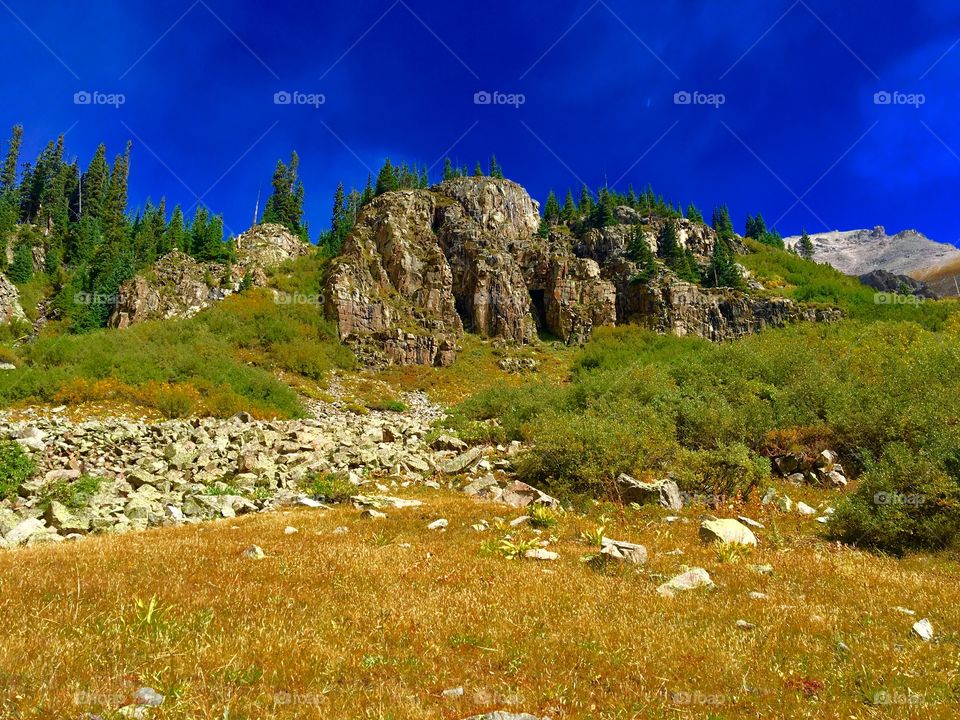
(386, 179)
(176, 235)
(448, 172)
(722, 223)
(338, 223)
(95, 183)
(478, 171)
(8, 180)
(805, 246)
(602, 215)
(569, 212)
(285, 205)
(585, 206)
(21, 270)
(694, 214)
(367, 191)
(723, 270)
(425, 179)
(115, 207)
(495, 170)
(640, 252)
(551, 209)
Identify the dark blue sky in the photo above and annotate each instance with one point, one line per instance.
(799, 135)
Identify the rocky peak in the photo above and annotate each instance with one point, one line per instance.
(496, 205)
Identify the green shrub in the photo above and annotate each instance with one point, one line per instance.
(329, 487)
(74, 494)
(16, 467)
(905, 501)
(727, 472)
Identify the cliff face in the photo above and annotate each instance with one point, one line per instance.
(423, 266)
(178, 286)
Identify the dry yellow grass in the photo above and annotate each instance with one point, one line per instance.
(377, 622)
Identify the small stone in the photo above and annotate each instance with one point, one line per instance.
(923, 629)
(690, 580)
(290, 530)
(440, 524)
(517, 522)
(23, 531)
(452, 692)
(254, 552)
(310, 502)
(749, 521)
(758, 595)
(744, 625)
(341, 530)
(805, 509)
(148, 696)
(623, 551)
(372, 514)
(540, 554)
(785, 504)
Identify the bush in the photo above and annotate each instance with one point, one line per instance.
(905, 501)
(16, 467)
(74, 494)
(329, 487)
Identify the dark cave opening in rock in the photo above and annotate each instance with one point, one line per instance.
(538, 307)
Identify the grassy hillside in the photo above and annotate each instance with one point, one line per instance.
(224, 360)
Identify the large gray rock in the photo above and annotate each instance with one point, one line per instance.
(728, 531)
(665, 493)
(23, 531)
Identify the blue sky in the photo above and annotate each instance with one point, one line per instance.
(784, 117)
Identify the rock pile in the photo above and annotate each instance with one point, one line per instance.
(824, 469)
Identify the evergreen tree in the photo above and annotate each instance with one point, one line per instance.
(602, 215)
(805, 246)
(585, 206)
(425, 179)
(285, 205)
(176, 235)
(551, 209)
(478, 171)
(569, 212)
(95, 183)
(368, 194)
(8, 180)
(694, 214)
(386, 179)
(495, 170)
(722, 223)
(723, 270)
(339, 226)
(21, 269)
(640, 252)
(448, 172)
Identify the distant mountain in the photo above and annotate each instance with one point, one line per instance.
(857, 252)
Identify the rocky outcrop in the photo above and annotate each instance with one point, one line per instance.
(680, 308)
(887, 282)
(10, 308)
(423, 266)
(178, 286)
